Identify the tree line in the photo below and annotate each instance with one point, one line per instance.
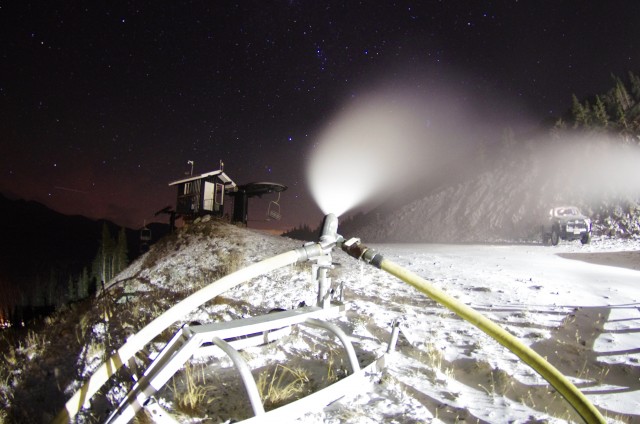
(60, 285)
(617, 110)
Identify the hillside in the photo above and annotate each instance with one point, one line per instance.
(444, 369)
(87, 330)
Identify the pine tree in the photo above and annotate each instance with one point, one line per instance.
(55, 295)
(600, 112)
(83, 284)
(38, 293)
(580, 114)
(589, 113)
(121, 251)
(72, 293)
(635, 85)
(621, 118)
(621, 95)
(51, 289)
(103, 263)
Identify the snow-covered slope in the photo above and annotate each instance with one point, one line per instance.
(583, 317)
(492, 207)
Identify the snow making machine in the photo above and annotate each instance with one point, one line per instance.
(230, 337)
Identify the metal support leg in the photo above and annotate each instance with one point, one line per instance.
(179, 349)
(245, 374)
(394, 336)
(320, 270)
(188, 340)
(351, 353)
(324, 286)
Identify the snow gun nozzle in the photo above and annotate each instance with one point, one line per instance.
(329, 232)
(328, 239)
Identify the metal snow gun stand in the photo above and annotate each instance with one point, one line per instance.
(238, 334)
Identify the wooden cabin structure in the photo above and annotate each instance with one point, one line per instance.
(200, 195)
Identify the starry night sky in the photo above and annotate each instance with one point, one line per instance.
(103, 103)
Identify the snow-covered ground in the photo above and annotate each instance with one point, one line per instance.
(584, 317)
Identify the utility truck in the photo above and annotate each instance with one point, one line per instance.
(566, 223)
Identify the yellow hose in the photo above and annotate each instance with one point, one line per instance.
(155, 327)
(575, 397)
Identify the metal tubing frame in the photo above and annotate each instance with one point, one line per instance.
(211, 350)
(351, 353)
(178, 351)
(245, 375)
(82, 397)
(348, 385)
(259, 324)
(394, 336)
(184, 344)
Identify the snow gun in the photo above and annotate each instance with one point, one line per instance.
(227, 335)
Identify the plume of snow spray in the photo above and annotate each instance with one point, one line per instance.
(367, 151)
(597, 168)
(397, 139)
(405, 132)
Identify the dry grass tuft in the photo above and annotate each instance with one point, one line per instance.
(142, 417)
(191, 396)
(283, 385)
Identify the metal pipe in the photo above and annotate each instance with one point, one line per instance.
(395, 332)
(568, 390)
(245, 375)
(168, 362)
(351, 353)
(324, 283)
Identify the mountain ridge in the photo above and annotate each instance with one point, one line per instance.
(40, 245)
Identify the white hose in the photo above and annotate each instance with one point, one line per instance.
(136, 342)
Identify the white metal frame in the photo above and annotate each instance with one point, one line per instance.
(232, 335)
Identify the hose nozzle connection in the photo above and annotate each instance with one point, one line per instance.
(355, 249)
(329, 238)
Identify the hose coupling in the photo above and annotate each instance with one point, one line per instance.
(354, 248)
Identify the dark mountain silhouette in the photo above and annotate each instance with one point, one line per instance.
(42, 248)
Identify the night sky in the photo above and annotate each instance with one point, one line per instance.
(103, 103)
